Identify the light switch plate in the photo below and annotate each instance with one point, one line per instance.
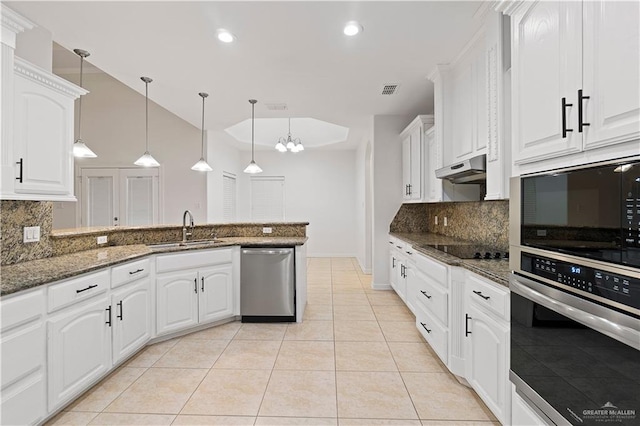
(102, 239)
(267, 230)
(445, 221)
(31, 234)
(436, 220)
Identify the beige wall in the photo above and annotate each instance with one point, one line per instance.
(113, 126)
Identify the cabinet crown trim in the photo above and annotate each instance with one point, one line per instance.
(425, 119)
(35, 73)
(13, 21)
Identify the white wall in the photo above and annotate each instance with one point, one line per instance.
(319, 189)
(363, 203)
(222, 156)
(113, 126)
(387, 189)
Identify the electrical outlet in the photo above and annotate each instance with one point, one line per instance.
(102, 239)
(445, 221)
(436, 220)
(267, 230)
(31, 234)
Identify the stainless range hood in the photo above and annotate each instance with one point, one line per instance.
(473, 170)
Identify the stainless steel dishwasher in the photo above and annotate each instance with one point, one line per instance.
(267, 285)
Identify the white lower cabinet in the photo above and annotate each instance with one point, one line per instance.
(79, 348)
(487, 345)
(522, 414)
(22, 352)
(131, 320)
(194, 288)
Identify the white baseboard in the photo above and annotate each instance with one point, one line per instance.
(364, 270)
(378, 286)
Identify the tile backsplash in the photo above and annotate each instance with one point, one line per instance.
(14, 216)
(482, 222)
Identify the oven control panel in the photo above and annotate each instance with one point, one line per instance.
(619, 288)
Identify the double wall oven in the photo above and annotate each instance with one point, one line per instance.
(575, 292)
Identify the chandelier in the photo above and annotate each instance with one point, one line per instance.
(289, 143)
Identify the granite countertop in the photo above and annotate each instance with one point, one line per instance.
(26, 275)
(496, 270)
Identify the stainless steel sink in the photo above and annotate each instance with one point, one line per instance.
(161, 246)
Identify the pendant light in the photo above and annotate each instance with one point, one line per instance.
(81, 150)
(147, 159)
(252, 167)
(202, 166)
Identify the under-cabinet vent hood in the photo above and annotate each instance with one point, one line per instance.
(473, 170)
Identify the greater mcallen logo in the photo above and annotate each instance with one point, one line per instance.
(609, 413)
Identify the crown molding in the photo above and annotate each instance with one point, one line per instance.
(12, 24)
(45, 78)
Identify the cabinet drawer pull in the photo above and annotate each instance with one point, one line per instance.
(202, 284)
(109, 317)
(409, 189)
(136, 271)
(479, 293)
(581, 97)
(393, 263)
(390, 242)
(195, 285)
(425, 327)
(410, 253)
(399, 247)
(466, 325)
(425, 294)
(564, 117)
(120, 316)
(19, 178)
(87, 288)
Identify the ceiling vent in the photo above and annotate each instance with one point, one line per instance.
(276, 107)
(390, 89)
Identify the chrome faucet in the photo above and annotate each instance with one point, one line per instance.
(186, 234)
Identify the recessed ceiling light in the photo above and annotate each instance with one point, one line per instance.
(352, 28)
(225, 36)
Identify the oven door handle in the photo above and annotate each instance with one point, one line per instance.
(597, 317)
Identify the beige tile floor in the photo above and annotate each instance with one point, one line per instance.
(357, 359)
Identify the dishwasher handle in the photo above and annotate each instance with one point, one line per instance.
(267, 251)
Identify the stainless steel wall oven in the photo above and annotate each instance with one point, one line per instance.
(575, 292)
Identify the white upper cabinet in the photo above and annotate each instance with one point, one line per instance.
(575, 79)
(37, 129)
(414, 162)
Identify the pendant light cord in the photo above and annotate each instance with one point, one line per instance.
(202, 149)
(80, 103)
(146, 111)
(253, 105)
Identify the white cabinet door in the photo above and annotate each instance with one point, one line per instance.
(216, 293)
(546, 68)
(406, 167)
(462, 115)
(611, 69)
(433, 188)
(79, 349)
(177, 301)
(131, 318)
(415, 188)
(486, 360)
(43, 139)
(394, 265)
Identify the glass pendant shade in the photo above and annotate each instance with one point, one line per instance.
(252, 167)
(80, 150)
(202, 165)
(147, 159)
(280, 147)
(290, 144)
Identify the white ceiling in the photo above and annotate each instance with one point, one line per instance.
(285, 52)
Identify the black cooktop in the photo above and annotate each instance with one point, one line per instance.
(470, 251)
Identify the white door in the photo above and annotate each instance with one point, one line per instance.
(131, 318)
(546, 67)
(406, 167)
(177, 301)
(267, 198)
(119, 196)
(43, 135)
(611, 72)
(228, 197)
(79, 349)
(486, 361)
(215, 293)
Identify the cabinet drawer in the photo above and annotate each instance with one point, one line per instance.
(22, 352)
(397, 244)
(488, 295)
(192, 259)
(74, 290)
(129, 272)
(433, 269)
(433, 332)
(21, 309)
(433, 298)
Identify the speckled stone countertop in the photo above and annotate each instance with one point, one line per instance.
(26, 275)
(496, 270)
